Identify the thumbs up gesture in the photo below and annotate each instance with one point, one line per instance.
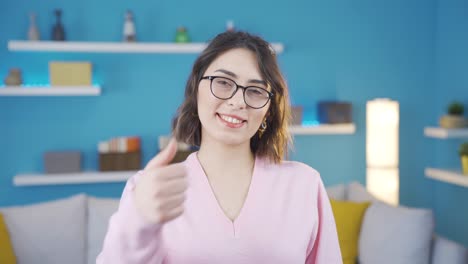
(160, 191)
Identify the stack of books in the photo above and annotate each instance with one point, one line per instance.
(120, 154)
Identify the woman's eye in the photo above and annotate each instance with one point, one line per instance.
(256, 92)
(223, 83)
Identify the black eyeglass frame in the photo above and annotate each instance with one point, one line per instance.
(244, 88)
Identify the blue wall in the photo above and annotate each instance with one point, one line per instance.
(344, 50)
(452, 84)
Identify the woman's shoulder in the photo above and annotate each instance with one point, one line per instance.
(294, 169)
(297, 165)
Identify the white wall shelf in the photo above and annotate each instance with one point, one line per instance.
(50, 91)
(438, 132)
(450, 176)
(324, 129)
(113, 47)
(72, 178)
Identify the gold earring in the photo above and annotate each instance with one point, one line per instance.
(262, 128)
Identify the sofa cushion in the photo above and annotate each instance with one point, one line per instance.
(358, 193)
(337, 192)
(49, 232)
(7, 255)
(395, 235)
(447, 251)
(99, 212)
(348, 219)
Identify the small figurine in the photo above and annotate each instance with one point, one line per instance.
(230, 25)
(58, 31)
(182, 35)
(129, 27)
(14, 78)
(33, 32)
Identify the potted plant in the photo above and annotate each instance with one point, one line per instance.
(454, 118)
(463, 151)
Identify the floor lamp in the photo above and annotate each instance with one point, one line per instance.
(382, 137)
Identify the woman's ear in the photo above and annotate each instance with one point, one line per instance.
(267, 115)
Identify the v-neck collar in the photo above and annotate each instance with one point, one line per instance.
(233, 227)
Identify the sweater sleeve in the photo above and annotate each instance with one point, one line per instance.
(324, 247)
(130, 238)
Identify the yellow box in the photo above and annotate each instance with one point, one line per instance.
(63, 73)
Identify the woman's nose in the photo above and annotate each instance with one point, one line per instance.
(237, 99)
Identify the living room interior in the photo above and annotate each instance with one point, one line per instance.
(411, 52)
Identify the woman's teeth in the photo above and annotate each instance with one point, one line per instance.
(230, 119)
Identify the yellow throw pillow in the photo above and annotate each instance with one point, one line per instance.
(7, 256)
(348, 218)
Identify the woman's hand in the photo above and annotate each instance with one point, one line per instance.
(160, 191)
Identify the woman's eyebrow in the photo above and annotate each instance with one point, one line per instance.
(230, 73)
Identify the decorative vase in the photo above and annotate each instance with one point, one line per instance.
(33, 32)
(58, 31)
(14, 78)
(230, 26)
(129, 32)
(453, 121)
(464, 161)
(182, 35)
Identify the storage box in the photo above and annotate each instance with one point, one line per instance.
(120, 161)
(333, 112)
(63, 73)
(62, 162)
(296, 114)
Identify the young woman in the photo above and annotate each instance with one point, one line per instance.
(235, 200)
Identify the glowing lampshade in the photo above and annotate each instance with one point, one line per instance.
(382, 126)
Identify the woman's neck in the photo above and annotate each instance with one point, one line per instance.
(228, 161)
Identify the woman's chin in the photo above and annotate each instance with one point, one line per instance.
(232, 140)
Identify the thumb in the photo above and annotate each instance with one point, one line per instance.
(164, 157)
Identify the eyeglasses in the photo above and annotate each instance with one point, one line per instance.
(224, 88)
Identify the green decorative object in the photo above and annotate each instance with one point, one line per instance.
(182, 35)
(454, 117)
(463, 152)
(456, 108)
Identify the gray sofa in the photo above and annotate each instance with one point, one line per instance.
(72, 230)
(398, 235)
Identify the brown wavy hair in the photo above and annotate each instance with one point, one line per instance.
(274, 142)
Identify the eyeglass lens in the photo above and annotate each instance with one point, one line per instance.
(224, 88)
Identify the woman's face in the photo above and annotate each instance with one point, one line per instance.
(231, 121)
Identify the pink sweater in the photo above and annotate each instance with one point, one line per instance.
(286, 218)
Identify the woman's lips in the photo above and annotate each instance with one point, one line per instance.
(231, 121)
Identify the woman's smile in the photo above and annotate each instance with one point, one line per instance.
(231, 121)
